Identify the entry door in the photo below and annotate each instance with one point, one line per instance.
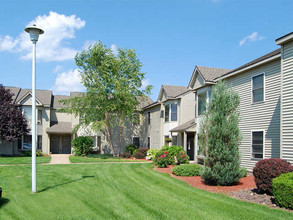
(55, 144)
(66, 145)
(190, 145)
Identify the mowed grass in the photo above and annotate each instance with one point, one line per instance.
(97, 158)
(115, 191)
(23, 160)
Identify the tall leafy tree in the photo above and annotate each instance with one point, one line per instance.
(12, 122)
(113, 85)
(221, 136)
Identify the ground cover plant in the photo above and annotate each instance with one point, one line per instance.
(115, 191)
(98, 158)
(268, 169)
(23, 160)
(187, 170)
(283, 190)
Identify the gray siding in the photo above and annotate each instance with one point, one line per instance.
(187, 108)
(287, 99)
(259, 116)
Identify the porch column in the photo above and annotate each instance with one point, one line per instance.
(185, 140)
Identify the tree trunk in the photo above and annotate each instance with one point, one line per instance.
(108, 128)
(120, 143)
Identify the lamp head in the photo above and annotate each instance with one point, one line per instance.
(34, 32)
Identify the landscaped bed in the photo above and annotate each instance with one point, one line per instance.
(116, 191)
(24, 160)
(98, 158)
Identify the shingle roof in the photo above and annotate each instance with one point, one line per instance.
(14, 91)
(184, 126)
(60, 128)
(144, 102)
(266, 56)
(45, 96)
(56, 99)
(211, 73)
(173, 91)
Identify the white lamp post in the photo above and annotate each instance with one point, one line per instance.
(34, 33)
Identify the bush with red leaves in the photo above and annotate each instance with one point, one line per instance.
(143, 150)
(268, 169)
(126, 155)
(139, 155)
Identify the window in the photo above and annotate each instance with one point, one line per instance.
(39, 142)
(173, 112)
(258, 88)
(174, 140)
(27, 111)
(257, 144)
(27, 142)
(149, 118)
(202, 102)
(167, 110)
(149, 142)
(39, 121)
(135, 141)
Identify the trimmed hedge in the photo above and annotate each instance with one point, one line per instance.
(283, 190)
(82, 145)
(268, 169)
(187, 170)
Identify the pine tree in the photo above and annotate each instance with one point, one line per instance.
(222, 136)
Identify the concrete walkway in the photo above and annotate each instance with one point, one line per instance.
(60, 159)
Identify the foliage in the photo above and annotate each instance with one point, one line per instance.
(283, 190)
(143, 150)
(243, 172)
(131, 148)
(82, 145)
(163, 160)
(222, 134)
(126, 155)
(182, 158)
(113, 83)
(268, 169)
(187, 170)
(28, 153)
(168, 140)
(173, 151)
(139, 155)
(151, 153)
(12, 122)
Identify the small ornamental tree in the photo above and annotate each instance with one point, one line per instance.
(222, 136)
(12, 122)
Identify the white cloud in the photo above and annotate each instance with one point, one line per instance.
(58, 69)
(114, 49)
(253, 37)
(67, 82)
(53, 44)
(88, 43)
(145, 83)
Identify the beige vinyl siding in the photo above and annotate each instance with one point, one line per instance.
(287, 99)
(199, 82)
(259, 116)
(187, 107)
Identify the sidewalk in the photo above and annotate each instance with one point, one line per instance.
(60, 159)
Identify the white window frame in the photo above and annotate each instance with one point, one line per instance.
(264, 87)
(170, 111)
(201, 91)
(264, 144)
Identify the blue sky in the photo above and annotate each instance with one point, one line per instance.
(171, 37)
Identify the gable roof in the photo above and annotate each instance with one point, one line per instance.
(172, 91)
(14, 91)
(56, 99)
(44, 96)
(144, 102)
(211, 73)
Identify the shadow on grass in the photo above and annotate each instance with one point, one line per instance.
(3, 201)
(65, 183)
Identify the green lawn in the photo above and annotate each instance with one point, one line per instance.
(115, 191)
(23, 160)
(96, 158)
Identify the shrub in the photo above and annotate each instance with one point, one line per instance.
(268, 169)
(82, 145)
(126, 155)
(139, 155)
(131, 148)
(172, 150)
(283, 190)
(28, 153)
(151, 153)
(182, 158)
(220, 132)
(163, 160)
(143, 150)
(243, 172)
(187, 170)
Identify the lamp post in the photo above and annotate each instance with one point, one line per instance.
(34, 33)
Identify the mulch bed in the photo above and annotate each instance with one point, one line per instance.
(197, 181)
